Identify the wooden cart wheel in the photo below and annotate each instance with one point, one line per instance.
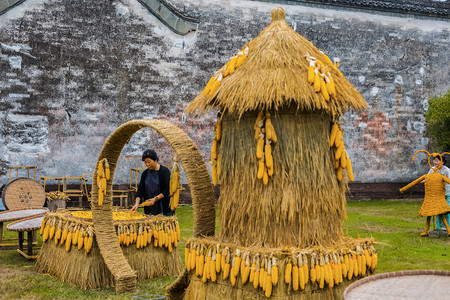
(198, 180)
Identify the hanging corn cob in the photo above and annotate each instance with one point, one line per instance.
(215, 155)
(175, 184)
(103, 175)
(266, 136)
(341, 159)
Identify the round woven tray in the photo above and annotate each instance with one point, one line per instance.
(23, 193)
(31, 223)
(411, 285)
(16, 214)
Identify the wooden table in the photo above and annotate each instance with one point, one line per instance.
(17, 214)
(29, 225)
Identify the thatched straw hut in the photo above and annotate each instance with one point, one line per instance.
(281, 204)
(303, 203)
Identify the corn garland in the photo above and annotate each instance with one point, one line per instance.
(73, 229)
(323, 268)
(228, 69)
(175, 184)
(320, 77)
(103, 175)
(215, 153)
(265, 136)
(341, 159)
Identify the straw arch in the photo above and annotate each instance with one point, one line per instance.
(198, 180)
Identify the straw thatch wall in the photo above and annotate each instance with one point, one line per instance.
(89, 271)
(198, 179)
(303, 203)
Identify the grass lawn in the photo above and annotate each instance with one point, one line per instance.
(394, 224)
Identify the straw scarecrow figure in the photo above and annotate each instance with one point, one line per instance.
(434, 202)
(279, 156)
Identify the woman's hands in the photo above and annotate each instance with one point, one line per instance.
(148, 202)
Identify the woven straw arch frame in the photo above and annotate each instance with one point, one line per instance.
(198, 179)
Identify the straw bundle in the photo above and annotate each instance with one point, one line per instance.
(275, 74)
(198, 180)
(249, 267)
(85, 267)
(89, 271)
(302, 205)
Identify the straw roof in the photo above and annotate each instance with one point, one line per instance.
(275, 74)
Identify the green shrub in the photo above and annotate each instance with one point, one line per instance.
(437, 120)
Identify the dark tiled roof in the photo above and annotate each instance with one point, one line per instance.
(430, 8)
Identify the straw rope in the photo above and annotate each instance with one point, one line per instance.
(23, 193)
(197, 176)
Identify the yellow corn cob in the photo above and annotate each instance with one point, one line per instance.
(301, 278)
(269, 161)
(330, 85)
(100, 198)
(274, 272)
(89, 244)
(41, 230)
(46, 232)
(64, 234)
(259, 120)
(317, 267)
(262, 278)
(313, 275)
(265, 177)
(334, 131)
(368, 258)
(256, 277)
(245, 275)
(343, 159)
(207, 88)
(260, 169)
(311, 68)
(339, 173)
(218, 133)
(204, 272)
(295, 277)
(316, 83)
(222, 261)
(186, 258)
(68, 241)
(242, 267)
(212, 269)
(193, 259)
(339, 151)
(338, 140)
(363, 265)
(306, 272)
(100, 171)
(86, 239)
(80, 240)
(252, 271)
(268, 285)
(75, 236)
(350, 170)
(350, 269)
(231, 66)
(237, 263)
(215, 85)
(288, 273)
(51, 232)
(374, 261)
(218, 261)
(214, 150)
(270, 130)
(226, 270)
(241, 58)
(323, 89)
(260, 148)
(208, 265)
(355, 265)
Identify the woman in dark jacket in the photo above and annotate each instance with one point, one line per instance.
(154, 186)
